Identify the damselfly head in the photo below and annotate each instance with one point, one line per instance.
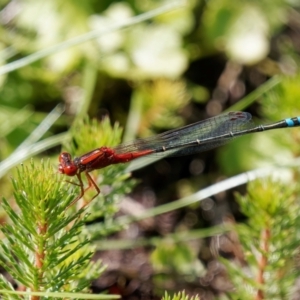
(66, 165)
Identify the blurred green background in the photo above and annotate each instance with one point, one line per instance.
(189, 63)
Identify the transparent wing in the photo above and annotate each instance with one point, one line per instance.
(176, 142)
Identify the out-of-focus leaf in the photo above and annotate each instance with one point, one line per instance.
(247, 41)
(116, 13)
(156, 51)
(242, 29)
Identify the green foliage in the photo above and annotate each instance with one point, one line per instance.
(179, 296)
(171, 259)
(283, 100)
(270, 241)
(158, 102)
(45, 247)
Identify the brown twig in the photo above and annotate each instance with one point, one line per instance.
(263, 261)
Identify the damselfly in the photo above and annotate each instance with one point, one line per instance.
(197, 137)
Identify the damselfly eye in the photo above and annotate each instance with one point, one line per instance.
(70, 170)
(65, 158)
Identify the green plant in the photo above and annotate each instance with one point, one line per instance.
(179, 296)
(270, 242)
(45, 247)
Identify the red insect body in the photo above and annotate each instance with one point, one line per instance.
(96, 159)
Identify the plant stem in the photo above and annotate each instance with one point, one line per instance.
(263, 261)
